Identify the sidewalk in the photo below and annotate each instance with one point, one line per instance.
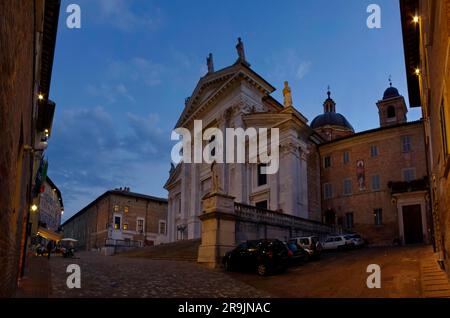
(435, 283)
(36, 282)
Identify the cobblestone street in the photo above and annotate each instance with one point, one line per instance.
(343, 274)
(116, 276)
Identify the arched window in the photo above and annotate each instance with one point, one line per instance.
(391, 112)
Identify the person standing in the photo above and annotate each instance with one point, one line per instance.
(49, 248)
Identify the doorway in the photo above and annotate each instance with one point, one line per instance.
(412, 224)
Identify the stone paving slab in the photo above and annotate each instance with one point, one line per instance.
(118, 276)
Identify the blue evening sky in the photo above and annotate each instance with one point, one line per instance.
(120, 81)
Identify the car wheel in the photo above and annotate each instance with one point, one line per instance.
(262, 269)
(227, 266)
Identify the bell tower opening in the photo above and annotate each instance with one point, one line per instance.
(392, 108)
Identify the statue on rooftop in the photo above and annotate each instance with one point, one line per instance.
(287, 95)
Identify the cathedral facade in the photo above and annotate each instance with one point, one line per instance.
(324, 171)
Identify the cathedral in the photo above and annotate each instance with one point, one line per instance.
(371, 182)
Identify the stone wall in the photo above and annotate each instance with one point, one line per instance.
(253, 223)
(16, 102)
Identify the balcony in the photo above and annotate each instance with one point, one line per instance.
(408, 186)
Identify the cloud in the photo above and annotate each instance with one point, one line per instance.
(288, 65)
(120, 14)
(112, 93)
(137, 70)
(303, 69)
(91, 152)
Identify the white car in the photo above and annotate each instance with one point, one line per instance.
(356, 239)
(337, 242)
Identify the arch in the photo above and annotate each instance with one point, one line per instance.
(391, 112)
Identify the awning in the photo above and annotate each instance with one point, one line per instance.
(48, 234)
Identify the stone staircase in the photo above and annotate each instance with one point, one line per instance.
(186, 250)
(435, 283)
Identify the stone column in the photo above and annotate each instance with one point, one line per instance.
(218, 228)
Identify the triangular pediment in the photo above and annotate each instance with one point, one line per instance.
(210, 85)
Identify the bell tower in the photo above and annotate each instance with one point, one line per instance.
(392, 108)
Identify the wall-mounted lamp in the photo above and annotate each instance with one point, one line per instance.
(417, 71)
(416, 19)
(40, 96)
(33, 208)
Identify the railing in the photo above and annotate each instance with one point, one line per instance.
(123, 243)
(408, 186)
(258, 215)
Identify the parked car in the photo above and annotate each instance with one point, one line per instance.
(338, 242)
(297, 254)
(311, 244)
(357, 240)
(262, 256)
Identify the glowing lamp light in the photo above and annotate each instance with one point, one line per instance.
(34, 208)
(40, 97)
(417, 71)
(62, 212)
(416, 19)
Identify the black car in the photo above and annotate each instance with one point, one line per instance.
(297, 253)
(262, 256)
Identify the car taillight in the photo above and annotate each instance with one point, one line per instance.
(290, 253)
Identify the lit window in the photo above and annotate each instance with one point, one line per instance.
(406, 143)
(347, 186)
(376, 182)
(117, 221)
(116, 208)
(327, 191)
(125, 226)
(378, 214)
(373, 151)
(346, 157)
(162, 227)
(327, 161)
(125, 209)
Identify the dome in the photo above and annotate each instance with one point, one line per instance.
(332, 119)
(390, 92)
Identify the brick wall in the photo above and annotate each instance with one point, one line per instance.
(16, 100)
(91, 227)
(388, 165)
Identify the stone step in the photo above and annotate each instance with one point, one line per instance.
(186, 250)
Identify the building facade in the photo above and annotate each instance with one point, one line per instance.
(426, 40)
(238, 97)
(372, 182)
(27, 41)
(119, 218)
(49, 213)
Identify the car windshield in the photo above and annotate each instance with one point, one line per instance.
(292, 247)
